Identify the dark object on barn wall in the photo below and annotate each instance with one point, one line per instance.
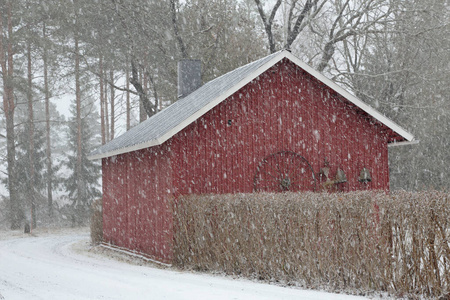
(340, 176)
(364, 176)
(284, 171)
(280, 108)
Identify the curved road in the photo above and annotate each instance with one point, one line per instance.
(48, 268)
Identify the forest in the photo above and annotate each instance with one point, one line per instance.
(75, 74)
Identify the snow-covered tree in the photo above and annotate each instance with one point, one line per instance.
(82, 184)
(404, 73)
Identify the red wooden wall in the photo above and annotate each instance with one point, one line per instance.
(284, 109)
(136, 202)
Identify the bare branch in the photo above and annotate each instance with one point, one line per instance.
(292, 35)
(134, 80)
(268, 23)
(176, 30)
(338, 18)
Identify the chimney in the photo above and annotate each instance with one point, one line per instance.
(189, 76)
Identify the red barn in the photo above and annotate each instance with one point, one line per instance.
(272, 125)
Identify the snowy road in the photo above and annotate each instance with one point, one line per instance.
(48, 268)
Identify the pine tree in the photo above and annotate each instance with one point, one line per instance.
(31, 186)
(83, 187)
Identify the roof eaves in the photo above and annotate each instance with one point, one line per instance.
(119, 151)
(404, 143)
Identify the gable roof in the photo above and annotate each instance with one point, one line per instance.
(165, 124)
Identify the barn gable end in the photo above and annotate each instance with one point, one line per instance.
(284, 109)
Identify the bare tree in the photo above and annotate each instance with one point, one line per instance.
(299, 16)
(403, 71)
(327, 22)
(158, 34)
(348, 19)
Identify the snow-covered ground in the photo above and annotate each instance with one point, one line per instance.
(54, 266)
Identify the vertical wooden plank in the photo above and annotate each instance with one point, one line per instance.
(287, 107)
(235, 156)
(225, 146)
(231, 146)
(142, 222)
(137, 201)
(151, 200)
(118, 201)
(277, 100)
(251, 133)
(275, 139)
(121, 198)
(129, 181)
(143, 203)
(155, 200)
(385, 158)
(296, 140)
(211, 151)
(132, 199)
(284, 121)
(221, 150)
(251, 128)
(168, 237)
(161, 201)
(106, 198)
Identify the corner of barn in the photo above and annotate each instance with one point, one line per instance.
(137, 189)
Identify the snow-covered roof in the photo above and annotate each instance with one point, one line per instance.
(165, 124)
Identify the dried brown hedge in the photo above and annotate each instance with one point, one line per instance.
(96, 222)
(353, 241)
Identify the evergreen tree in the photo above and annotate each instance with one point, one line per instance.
(82, 188)
(30, 187)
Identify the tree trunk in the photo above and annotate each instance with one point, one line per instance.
(176, 30)
(31, 191)
(327, 54)
(268, 22)
(102, 101)
(48, 152)
(105, 106)
(6, 60)
(112, 95)
(128, 96)
(79, 199)
(142, 111)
